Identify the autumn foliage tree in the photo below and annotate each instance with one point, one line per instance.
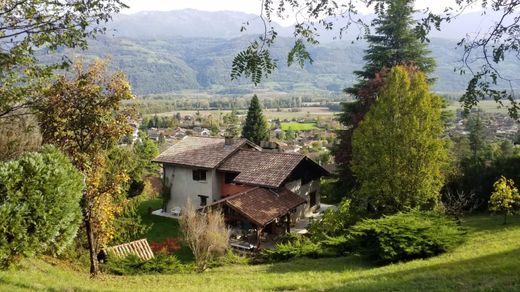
(505, 199)
(30, 25)
(395, 42)
(398, 149)
(83, 116)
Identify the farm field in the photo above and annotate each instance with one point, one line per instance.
(489, 106)
(269, 113)
(489, 260)
(298, 126)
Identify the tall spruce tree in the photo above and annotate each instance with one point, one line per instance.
(255, 128)
(395, 42)
(398, 148)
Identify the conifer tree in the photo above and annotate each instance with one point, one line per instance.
(255, 128)
(394, 43)
(398, 151)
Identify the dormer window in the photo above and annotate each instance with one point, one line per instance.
(199, 174)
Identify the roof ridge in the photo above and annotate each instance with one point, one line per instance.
(275, 153)
(206, 137)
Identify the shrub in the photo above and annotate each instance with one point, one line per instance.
(39, 205)
(300, 247)
(333, 222)
(505, 199)
(339, 245)
(129, 225)
(169, 246)
(162, 263)
(230, 258)
(406, 236)
(206, 234)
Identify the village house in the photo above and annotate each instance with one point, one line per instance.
(257, 190)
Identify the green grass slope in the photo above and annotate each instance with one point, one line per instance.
(488, 261)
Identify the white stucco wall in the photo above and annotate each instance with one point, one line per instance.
(184, 188)
(304, 191)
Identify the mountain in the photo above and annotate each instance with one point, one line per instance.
(188, 23)
(167, 52)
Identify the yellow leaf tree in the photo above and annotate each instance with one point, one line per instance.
(83, 116)
(398, 151)
(505, 199)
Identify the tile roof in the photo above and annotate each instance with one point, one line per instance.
(262, 205)
(199, 152)
(268, 169)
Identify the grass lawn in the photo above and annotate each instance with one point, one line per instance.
(489, 260)
(298, 126)
(162, 227)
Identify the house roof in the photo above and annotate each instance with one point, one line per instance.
(254, 167)
(263, 205)
(200, 152)
(269, 169)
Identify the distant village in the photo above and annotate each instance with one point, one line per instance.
(312, 136)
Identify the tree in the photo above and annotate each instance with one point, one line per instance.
(83, 116)
(206, 234)
(39, 205)
(30, 25)
(395, 42)
(492, 45)
(146, 151)
(19, 135)
(505, 199)
(255, 129)
(398, 153)
(232, 124)
(476, 137)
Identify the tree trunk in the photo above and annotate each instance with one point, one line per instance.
(505, 217)
(94, 267)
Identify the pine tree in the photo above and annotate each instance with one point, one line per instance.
(394, 43)
(398, 151)
(255, 128)
(477, 138)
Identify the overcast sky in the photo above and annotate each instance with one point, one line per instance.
(248, 6)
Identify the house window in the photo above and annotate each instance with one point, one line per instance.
(229, 177)
(203, 200)
(199, 174)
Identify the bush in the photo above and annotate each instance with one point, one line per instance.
(206, 234)
(162, 263)
(39, 205)
(300, 247)
(128, 224)
(339, 245)
(230, 258)
(333, 222)
(406, 236)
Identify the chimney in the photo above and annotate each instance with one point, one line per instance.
(270, 146)
(228, 141)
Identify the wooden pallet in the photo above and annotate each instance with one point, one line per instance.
(140, 248)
